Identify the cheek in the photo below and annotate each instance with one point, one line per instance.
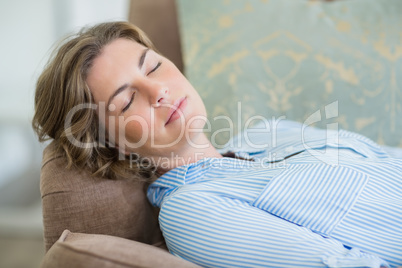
(134, 131)
(197, 116)
(129, 132)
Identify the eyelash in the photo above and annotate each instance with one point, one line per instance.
(132, 96)
(129, 103)
(156, 67)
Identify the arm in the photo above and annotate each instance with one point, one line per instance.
(216, 231)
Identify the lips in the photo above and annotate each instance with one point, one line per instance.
(178, 107)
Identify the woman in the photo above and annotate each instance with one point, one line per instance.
(307, 198)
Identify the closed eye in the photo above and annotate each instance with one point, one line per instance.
(129, 103)
(156, 67)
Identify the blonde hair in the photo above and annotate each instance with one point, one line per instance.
(62, 86)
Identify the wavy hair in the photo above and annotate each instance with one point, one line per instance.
(62, 88)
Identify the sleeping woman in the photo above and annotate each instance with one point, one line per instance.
(282, 194)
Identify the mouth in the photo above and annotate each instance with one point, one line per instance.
(178, 107)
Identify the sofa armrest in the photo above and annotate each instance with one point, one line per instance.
(101, 251)
(73, 199)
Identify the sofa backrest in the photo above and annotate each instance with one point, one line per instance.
(158, 19)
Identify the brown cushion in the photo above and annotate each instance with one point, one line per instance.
(158, 19)
(103, 251)
(72, 199)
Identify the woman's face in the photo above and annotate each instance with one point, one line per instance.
(145, 103)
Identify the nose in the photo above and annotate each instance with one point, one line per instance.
(157, 92)
(159, 95)
(162, 97)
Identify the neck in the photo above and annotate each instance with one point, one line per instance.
(187, 155)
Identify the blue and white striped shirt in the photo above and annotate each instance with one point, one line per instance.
(335, 202)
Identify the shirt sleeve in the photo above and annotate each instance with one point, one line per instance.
(216, 231)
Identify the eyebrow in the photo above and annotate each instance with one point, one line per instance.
(125, 86)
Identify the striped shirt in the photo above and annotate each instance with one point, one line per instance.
(310, 198)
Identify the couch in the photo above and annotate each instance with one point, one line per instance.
(286, 71)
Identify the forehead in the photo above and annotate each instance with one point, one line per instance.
(116, 51)
(111, 68)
